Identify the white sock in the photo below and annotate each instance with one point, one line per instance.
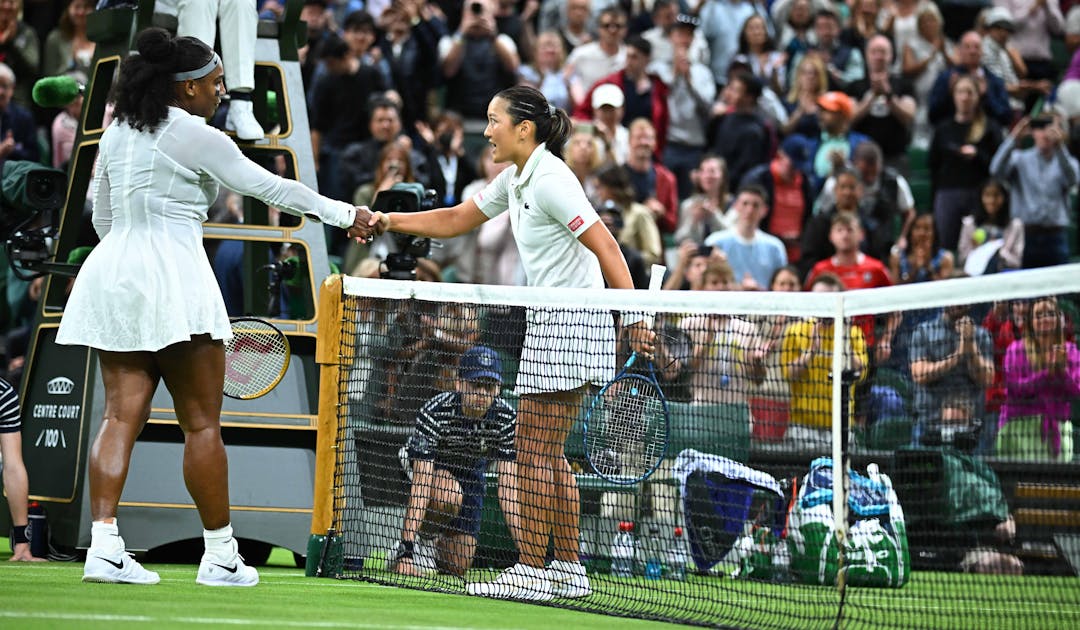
(105, 536)
(220, 542)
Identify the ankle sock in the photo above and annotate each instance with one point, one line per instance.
(220, 542)
(105, 536)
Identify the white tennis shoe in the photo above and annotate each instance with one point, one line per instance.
(241, 119)
(520, 582)
(116, 567)
(568, 579)
(231, 571)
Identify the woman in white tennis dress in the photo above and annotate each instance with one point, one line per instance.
(146, 297)
(562, 244)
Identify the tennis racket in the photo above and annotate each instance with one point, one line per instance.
(626, 427)
(256, 358)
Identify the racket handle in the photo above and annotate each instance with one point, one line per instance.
(656, 282)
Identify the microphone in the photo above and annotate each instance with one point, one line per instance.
(56, 91)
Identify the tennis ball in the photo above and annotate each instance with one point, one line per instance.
(979, 237)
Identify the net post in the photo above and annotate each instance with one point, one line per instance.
(839, 443)
(327, 350)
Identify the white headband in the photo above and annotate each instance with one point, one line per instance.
(198, 73)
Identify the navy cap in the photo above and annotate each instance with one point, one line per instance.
(480, 362)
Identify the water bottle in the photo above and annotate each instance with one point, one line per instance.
(676, 561)
(37, 530)
(654, 568)
(622, 551)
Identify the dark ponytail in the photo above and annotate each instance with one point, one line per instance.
(553, 125)
(144, 89)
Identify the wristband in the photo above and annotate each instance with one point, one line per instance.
(404, 550)
(18, 534)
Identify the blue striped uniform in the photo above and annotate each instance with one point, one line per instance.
(462, 446)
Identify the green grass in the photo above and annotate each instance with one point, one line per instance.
(51, 595)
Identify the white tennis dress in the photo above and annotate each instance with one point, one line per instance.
(148, 284)
(563, 349)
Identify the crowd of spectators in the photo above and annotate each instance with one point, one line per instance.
(750, 144)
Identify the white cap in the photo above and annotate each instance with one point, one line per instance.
(607, 94)
(999, 16)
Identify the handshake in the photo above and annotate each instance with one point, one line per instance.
(367, 224)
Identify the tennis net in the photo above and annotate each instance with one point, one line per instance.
(960, 507)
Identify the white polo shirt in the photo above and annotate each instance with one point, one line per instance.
(548, 212)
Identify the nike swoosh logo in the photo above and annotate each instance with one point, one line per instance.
(118, 565)
(231, 569)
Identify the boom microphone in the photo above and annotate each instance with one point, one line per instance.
(58, 91)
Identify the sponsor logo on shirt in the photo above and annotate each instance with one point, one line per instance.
(575, 223)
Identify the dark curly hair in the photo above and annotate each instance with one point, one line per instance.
(144, 90)
(553, 125)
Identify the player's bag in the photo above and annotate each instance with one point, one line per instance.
(876, 550)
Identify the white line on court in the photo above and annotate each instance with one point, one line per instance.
(229, 621)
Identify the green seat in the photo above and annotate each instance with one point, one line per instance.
(889, 434)
(718, 429)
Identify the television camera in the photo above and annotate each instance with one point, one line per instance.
(31, 198)
(405, 197)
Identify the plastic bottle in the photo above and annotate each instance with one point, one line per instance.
(622, 551)
(37, 530)
(654, 568)
(676, 561)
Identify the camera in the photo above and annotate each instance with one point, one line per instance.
(405, 197)
(31, 198)
(476, 8)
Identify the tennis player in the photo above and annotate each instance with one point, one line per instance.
(146, 298)
(563, 243)
(456, 434)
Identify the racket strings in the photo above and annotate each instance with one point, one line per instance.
(255, 358)
(629, 431)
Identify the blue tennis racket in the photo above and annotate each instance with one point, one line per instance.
(626, 428)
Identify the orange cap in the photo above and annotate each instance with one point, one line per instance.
(837, 102)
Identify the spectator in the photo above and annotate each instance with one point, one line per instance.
(16, 486)
(885, 110)
(844, 64)
(358, 30)
(639, 230)
(811, 81)
(866, 19)
(516, 21)
(654, 185)
(548, 71)
(411, 42)
(447, 456)
(753, 255)
(721, 364)
(666, 20)
(571, 19)
(1042, 378)
(923, 259)
(584, 156)
(788, 190)
(990, 89)
(67, 47)
(608, 115)
(795, 21)
(644, 94)
(923, 57)
(447, 141)
(721, 21)
(991, 224)
(592, 61)
(816, 245)
(998, 58)
(690, 266)
(19, 141)
(886, 204)
(65, 126)
(806, 362)
(900, 23)
(392, 168)
(1038, 22)
(951, 366)
(477, 62)
(19, 51)
(854, 268)
(339, 110)
(739, 134)
(691, 90)
(1040, 179)
(758, 50)
(770, 400)
(959, 159)
(704, 212)
(837, 142)
(320, 25)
